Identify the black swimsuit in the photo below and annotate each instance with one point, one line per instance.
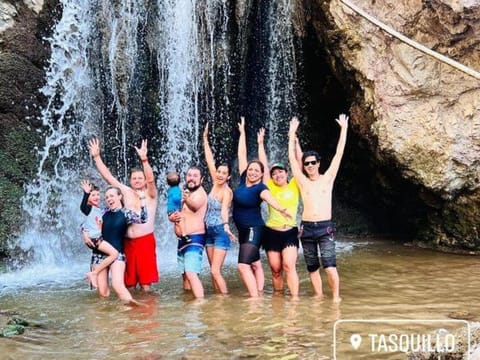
(115, 223)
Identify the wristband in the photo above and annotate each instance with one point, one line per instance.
(145, 160)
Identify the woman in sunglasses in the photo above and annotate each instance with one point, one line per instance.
(280, 237)
(247, 198)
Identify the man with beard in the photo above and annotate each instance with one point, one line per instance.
(140, 246)
(189, 253)
(317, 231)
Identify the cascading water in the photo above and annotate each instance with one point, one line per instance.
(273, 60)
(51, 201)
(282, 80)
(178, 96)
(124, 70)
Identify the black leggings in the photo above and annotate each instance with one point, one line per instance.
(249, 239)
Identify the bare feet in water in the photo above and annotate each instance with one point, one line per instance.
(134, 302)
(92, 279)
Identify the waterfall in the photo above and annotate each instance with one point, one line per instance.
(178, 96)
(193, 63)
(118, 23)
(133, 69)
(272, 58)
(50, 203)
(282, 79)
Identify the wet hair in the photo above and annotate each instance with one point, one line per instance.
(227, 166)
(119, 192)
(310, 153)
(194, 167)
(262, 168)
(94, 187)
(173, 178)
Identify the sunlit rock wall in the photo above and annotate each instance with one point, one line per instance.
(414, 111)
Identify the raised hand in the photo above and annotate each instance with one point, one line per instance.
(294, 123)
(342, 120)
(94, 147)
(205, 132)
(142, 150)
(86, 186)
(261, 135)
(241, 125)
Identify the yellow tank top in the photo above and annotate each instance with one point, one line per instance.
(288, 197)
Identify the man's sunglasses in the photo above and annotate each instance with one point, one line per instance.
(313, 162)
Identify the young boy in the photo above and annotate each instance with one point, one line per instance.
(174, 202)
(93, 227)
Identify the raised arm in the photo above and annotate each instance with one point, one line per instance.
(342, 140)
(292, 157)
(209, 154)
(85, 207)
(147, 169)
(94, 148)
(242, 147)
(262, 155)
(298, 150)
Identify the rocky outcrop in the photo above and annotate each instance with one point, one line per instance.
(413, 111)
(23, 56)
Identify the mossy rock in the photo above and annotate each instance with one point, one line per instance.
(12, 330)
(18, 321)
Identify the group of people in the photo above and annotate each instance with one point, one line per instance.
(121, 236)
(201, 220)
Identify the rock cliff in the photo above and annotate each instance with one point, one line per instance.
(23, 56)
(414, 111)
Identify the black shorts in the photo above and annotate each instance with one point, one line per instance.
(317, 235)
(249, 239)
(275, 240)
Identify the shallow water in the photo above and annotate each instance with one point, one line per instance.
(380, 279)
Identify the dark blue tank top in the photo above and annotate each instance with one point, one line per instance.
(115, 224)
(246, 203)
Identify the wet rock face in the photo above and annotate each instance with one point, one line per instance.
(23, 56)
(414, 111)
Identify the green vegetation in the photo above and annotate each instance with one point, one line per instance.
(18, 164)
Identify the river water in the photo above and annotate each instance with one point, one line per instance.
(380, 279)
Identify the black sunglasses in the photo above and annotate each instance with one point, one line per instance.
(313, 162)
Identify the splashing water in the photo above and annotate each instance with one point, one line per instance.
(95, 85)
(48, 202)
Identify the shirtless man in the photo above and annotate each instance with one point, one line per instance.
(140, 247)
(189, 254)
(316, 191)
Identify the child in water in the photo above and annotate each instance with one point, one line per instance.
(174, 203)
(93, 227)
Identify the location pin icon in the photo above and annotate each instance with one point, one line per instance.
(355, 340)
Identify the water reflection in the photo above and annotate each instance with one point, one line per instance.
(379, 279)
